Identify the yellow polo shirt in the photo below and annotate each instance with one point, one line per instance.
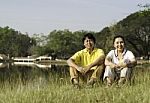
(84, 58)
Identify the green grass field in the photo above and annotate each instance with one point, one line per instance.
(57, 89)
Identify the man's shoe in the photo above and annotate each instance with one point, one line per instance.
(90, 83)
(75, 81)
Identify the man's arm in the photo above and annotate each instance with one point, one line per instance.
(98, 61)
(71, 63)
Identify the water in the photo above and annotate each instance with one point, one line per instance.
(32, 73)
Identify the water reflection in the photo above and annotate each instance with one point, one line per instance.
(32, 72)
(3, 65)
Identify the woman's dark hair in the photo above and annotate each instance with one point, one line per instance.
(89, 36)
(118, 36)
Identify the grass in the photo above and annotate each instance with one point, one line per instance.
(57, 89)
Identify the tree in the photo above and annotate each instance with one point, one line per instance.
(14, 43)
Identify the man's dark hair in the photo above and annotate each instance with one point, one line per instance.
(89, 36)
(119, 36)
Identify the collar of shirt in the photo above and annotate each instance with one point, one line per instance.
(124, 52)
(87, 51)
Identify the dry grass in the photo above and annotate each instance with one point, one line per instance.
(57, 89)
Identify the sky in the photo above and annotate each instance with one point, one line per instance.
(44, 16)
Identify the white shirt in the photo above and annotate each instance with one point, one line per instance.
(127, 56)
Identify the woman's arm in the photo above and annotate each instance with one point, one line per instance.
(131, 63)
(108, 62)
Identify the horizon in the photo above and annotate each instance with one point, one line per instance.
(42, 17)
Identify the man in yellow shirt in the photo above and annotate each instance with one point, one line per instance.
(88, 64)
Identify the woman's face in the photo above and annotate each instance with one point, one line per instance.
(119, 44)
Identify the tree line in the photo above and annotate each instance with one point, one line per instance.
(63, 43)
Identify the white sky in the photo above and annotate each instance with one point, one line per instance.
(44, 16)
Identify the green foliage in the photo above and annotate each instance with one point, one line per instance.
(14, 43)
(136, 30)
(104, 39)
(64, 43)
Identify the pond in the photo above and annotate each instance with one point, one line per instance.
(33, 74)
(24, 73)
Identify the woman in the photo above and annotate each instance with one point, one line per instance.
(119, 62)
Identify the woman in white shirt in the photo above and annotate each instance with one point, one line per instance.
(119, 62)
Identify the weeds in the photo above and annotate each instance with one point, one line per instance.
(56, 88)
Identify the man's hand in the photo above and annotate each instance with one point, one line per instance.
(80, 69)
(86, 69)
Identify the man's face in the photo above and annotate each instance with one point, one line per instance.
(119, 44)
(88, 43)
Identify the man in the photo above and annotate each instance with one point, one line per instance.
(88, 64)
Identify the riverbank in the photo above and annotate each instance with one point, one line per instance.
(63, 62)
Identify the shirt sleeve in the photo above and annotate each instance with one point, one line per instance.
(101, 52)
(130, 55)
(110, 54)
(77, 57)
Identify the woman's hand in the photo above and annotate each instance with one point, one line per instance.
(122, 65)
(113, 66)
